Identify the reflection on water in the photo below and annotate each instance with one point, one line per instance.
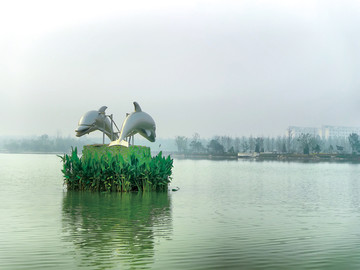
(226, 215)
(115, 229)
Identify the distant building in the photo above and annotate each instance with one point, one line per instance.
(324, 132)
(333, 131)
(297, 131)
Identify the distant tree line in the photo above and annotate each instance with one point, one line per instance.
(302, 144)
(43, 144)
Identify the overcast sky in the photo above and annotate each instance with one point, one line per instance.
(213, 67)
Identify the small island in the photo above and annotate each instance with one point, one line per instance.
(116, 169)
(119, 166)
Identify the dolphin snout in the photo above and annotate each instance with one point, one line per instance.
(82, 128)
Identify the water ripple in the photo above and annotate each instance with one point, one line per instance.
(227, 215)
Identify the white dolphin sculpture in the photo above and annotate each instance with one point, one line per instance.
(136, 122)
(95, 120)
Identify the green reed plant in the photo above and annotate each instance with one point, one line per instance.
(139, 171)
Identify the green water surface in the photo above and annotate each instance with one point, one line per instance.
(226, 215)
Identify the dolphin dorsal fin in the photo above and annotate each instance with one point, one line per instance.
(102, 109)
(137, 107)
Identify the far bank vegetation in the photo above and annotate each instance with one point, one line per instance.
(287, 144)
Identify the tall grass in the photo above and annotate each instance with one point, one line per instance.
(113, 172)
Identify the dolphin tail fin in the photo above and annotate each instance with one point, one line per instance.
(102, 109)
(137, 107)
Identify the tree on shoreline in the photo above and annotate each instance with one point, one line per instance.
(304, 140)
(196, 145)
(259, 145)
(214, 147)
(181, 143)
(354, 142)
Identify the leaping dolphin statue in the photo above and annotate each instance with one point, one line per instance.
(136, 122)
(95, 120)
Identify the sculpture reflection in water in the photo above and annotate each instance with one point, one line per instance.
(137, 122)
(116, 229)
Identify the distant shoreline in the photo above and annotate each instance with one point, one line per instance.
(274, 157)
(31, 153)
(311, 158)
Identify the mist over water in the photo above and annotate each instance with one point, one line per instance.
(226, 67)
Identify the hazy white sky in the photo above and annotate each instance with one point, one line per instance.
(213, 67)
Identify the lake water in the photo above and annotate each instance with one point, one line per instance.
(226, 215)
